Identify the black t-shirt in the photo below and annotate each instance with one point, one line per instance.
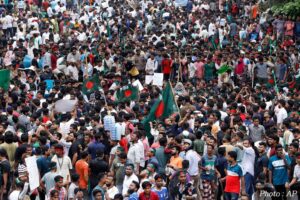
(97, 166)
(262, 162)
(19, 151)
(5, 168)
(76, 147)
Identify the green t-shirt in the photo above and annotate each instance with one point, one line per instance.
(209, 70)
(199, 146)
(119, 170)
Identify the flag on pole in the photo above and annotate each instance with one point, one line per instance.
(90, 84)
(127, 93)
(162, 108)
(4, 79)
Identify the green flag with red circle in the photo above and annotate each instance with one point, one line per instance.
(90, 85)
(162, 108)
(127, 93)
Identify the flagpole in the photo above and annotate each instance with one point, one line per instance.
(174, 99)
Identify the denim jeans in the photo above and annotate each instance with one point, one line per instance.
(249, 184)
(231, 196)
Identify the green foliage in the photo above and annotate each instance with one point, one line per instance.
(291, 8)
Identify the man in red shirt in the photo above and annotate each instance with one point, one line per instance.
(148, 194)
(166, 65)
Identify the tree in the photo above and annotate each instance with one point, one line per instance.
(286, 7)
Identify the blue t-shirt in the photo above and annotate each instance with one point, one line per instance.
(162, 194)
(279, 170)
(133, 196)
(94, 147)
(43, 165)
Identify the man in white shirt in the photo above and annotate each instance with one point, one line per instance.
(72, 72)
(112, 190)
(129, 177)
(63, 163)
(9, 24)
(47, 59)
(193, 157)
(280, 112)
(211, 29)
(151, 65)
(49, 12)
(247, 164)
(135, 151)
(203, 33)
(73, 57)
(45, 36)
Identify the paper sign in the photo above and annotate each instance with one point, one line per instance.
(105, 5)
(33, 172)
(138, 84)
(65, 105)
(148, 79)
(158, 79)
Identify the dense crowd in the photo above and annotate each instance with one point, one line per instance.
(234, 71)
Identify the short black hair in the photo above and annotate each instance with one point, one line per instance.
(177, 148)
(212, 146)
(263, 144)
(158, 176)
(274, 137)
(119, 196)
(123, 155)
(84, 154)
(95, 192)
(146, 184)
(222, 151)
(77, 190)
(295, 145)
(137, 185)
(74, 177)
(278, 146)
(101, 175)
(53, 192)
(232, 154)
(9, 137)
(3, 152)
(58, 178)
(163, 141)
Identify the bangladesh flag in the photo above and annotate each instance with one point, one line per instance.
(4, 79)
(127, 93)
(163, 108)
(90, 85)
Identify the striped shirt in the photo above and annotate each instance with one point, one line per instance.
(110, 125)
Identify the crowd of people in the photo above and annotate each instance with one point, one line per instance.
(235, 75)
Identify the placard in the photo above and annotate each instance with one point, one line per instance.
(158, 79)
(33, 172)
